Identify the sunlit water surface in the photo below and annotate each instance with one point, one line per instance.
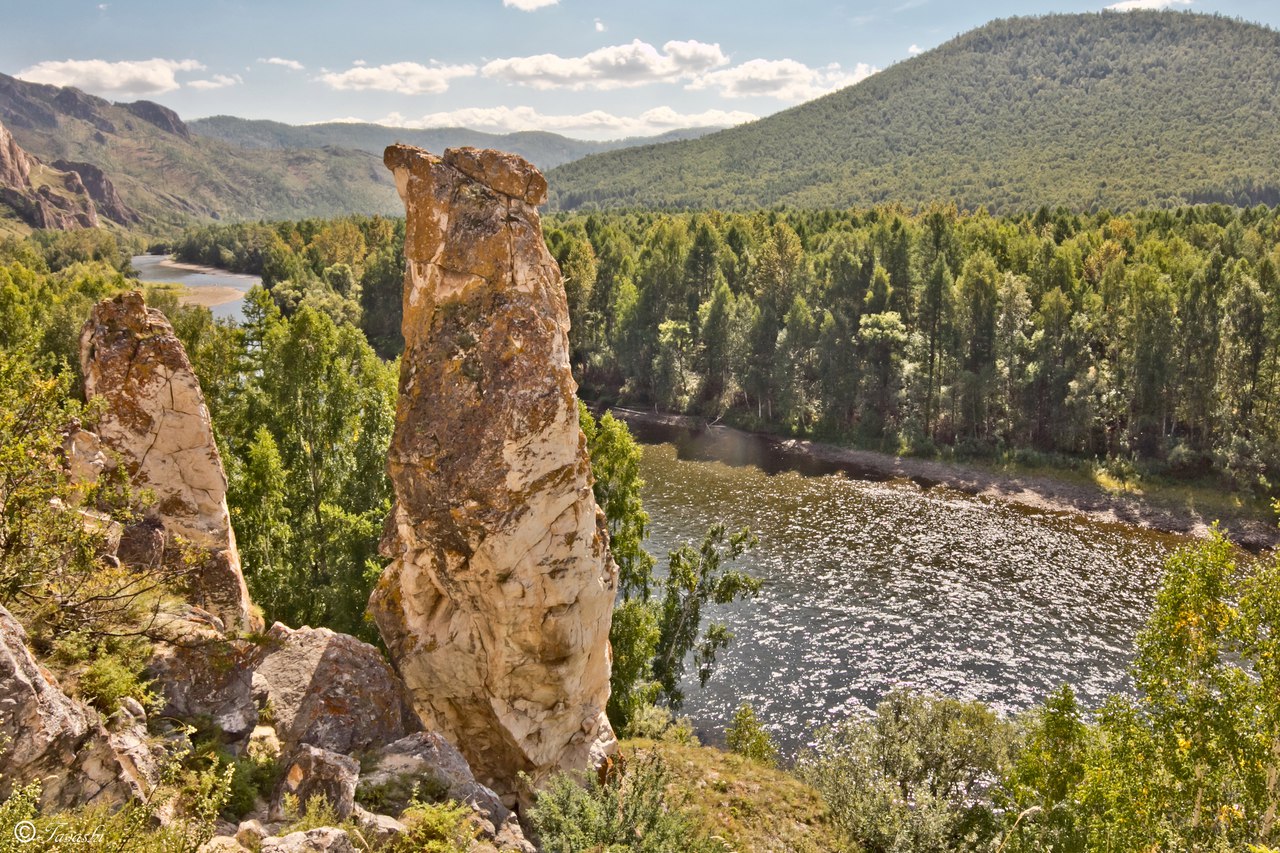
(159, 269)
(868, 585)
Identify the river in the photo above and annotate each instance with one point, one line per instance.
(868, 585)
(220, 291)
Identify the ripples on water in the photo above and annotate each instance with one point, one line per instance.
(869, 585)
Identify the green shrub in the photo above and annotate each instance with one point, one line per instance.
(916, 776)
(435, 828)
(115, 673)
(628, 812)
(654, 722)
(191, 801)
(748, 738)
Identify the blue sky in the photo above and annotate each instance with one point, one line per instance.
(587, 68)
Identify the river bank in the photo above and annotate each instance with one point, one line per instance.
(220, 290)
(1171, 511)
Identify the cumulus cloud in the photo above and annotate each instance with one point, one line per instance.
(217, 81)
(784, 79)
(1134, 5)
(407, 78)
(597, 124)
(915, 50)
(528, 5)
(634, 64)
(130, 77)
(291, 64)
(600, 27)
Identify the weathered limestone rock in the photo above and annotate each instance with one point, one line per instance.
(156, 419)
(326, 839)
(310, 772)
(497, 602)
(429, 762)
(59, 741)
(321, 688)
(332, 690)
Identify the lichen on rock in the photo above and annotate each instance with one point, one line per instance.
(497, 602)
(155, 418)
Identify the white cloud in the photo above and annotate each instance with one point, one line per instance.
(407, 78)
(596, 124)
(130, 77)
(291, 64)
(528, 5)
(915, 50)
(784, 79)
(633, 64)
(217, 81)
(1134, 5)
(600, 27)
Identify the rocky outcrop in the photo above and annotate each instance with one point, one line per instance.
(325, 839)
(162, 117)
(426, 762)
(43, 196)
(497, 601)
(155, 418)
(309, 685)
(309, 771)
(101, 190)
(47, 736)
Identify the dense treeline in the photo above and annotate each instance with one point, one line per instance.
(1152, 336)
(1090, 111)
(350, 269)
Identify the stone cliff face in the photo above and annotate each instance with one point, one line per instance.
(156, 419)
(102, 191)
(497, 602)
(43, 196)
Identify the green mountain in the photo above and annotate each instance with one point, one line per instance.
(544, 150)
(1097, 110)
(170, 176)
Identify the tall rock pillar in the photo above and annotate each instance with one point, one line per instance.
(156, 419)
(497, 602)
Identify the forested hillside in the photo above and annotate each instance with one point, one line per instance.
(172, 177)
(1088, 111)
(544, 150)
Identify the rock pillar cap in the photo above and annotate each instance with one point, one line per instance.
(509, 174)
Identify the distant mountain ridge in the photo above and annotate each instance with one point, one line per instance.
(545, 150)
(144, 165)
(169, 177)
(1087, 111)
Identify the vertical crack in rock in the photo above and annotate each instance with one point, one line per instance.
(497, 602)
(156, 419)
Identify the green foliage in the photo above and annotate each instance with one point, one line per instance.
(630, 811)
(435, 828)
(316, 812)
(652, 636)
(53, 576)
(114, 672)
(747, 737)
(654, 722)
(914, 777)
(1144, 343)
(971, 120)
(696, 578)
(190, 802)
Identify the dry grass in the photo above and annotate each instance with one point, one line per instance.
(751, 808)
